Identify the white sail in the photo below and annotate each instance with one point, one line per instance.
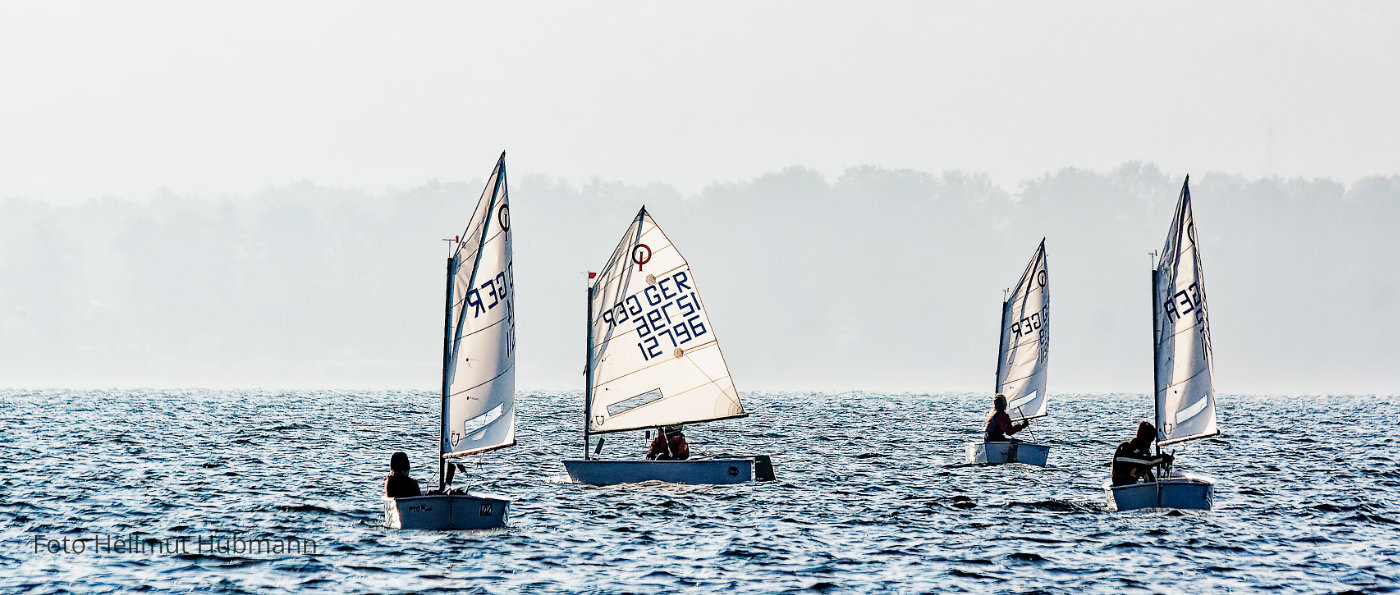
(653, 356)
(1024, 358)
(1185, 385)
(479, 360)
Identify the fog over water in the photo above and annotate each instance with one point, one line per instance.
(253, 194)
(880, 279)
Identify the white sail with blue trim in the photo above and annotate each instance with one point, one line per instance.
(479, 379)
(1024, 359)
(1185, 385)
(653, 356)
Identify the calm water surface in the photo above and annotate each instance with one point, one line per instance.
(869, 497)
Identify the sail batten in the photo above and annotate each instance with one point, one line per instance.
(654, 359)
(1024, 352)
(479, 382)
(1185, 387)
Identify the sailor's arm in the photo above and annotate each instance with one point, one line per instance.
(1151, 462)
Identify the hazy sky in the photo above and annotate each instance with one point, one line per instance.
(323, 123)
(119, 98)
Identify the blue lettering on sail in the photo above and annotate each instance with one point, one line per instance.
(1186, 301)
(1030, 324)
(670, 319)
(496, 289)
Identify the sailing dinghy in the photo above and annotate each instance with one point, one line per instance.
(653, 361)
(1023, 360)
(1183, 372)
(478, 368)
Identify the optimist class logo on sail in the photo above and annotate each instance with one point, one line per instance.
(666, 315)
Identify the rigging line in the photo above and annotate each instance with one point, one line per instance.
(487, 240)
(487, 381)
(476, 264)
(1187, 379)
(620, 300)
(732, 398)
(664, 399)
(622, 245)
(683, 421)
(459, 336)
(1014, 380)
(625, 279)
(1189, 328)
(454, 455)
(609, 275)
(710, 381)
(1027, 420)
(648, 367)
(491, 182)
(1019, 344)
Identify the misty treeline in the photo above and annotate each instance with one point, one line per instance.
(878, 279)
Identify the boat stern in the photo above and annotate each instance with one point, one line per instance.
(994, 453)
(1185, 491)
(445, 512)
(694, 471)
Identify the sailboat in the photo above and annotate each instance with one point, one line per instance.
(1184, 391)
(478, 368)
(1023, 361)
(653, 361)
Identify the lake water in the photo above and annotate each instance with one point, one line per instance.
(869, 497)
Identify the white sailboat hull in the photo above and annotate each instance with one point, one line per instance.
(696, 471)
(992, 453)
(441, 512)
(1185, 491)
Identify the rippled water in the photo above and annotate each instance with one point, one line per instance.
(869, 497)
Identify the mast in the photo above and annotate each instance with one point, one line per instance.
(1001, 344)
(446, 367)
(1156, 404)
(588, 372)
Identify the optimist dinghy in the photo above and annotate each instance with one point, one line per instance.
(478, 368)
(1184, 372)
(653, 360)
(1023, 362)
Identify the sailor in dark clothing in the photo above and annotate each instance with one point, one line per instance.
(1133, 460)
(999, 426)
(398, 484)
(669, 445)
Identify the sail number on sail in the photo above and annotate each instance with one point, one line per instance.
(496, 289)
(1029, 324)
(669, 318)
(1190, 299)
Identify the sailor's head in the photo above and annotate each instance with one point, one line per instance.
(675, 429)
(398, 463)
(999, 402)
(1146, 431)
